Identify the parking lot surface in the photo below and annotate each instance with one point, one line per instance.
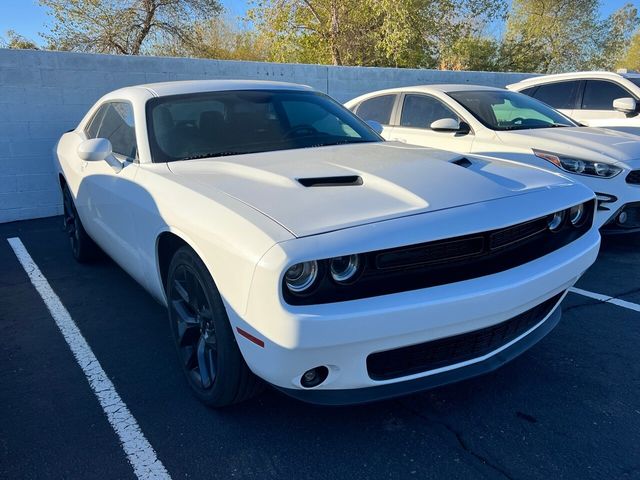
(568, 408)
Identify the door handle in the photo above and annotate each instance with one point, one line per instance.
(399, 140)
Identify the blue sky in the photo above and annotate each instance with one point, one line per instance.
(28, 18)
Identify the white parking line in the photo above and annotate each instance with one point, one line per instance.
(139, 452)
(606, 299)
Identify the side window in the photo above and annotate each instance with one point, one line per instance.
(420, 111)
(117, 126)
(558, 95)
(529, 91)
(599, 95)
(377, 108)
(91, 130)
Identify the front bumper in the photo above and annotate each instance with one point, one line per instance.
(384, 392)
(341, 336)
(614, 196)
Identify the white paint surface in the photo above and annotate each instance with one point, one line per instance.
(139, 452)
(607, 299)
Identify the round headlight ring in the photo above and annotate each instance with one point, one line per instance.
(555, 221)
(301, 276)
(345, 269)
(577, 215)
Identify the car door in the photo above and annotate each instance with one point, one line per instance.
(417, 112)
(597, 102)
(560, 95)
(381, 109)
(108, 187)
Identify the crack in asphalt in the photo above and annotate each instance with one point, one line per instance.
(459, 438)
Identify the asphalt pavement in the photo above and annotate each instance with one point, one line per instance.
(567, 408)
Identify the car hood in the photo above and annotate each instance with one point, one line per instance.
(396, 180)
(597, 144)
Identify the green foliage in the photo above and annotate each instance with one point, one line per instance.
(533, 35)
(216, 38)
(15, 40)
(122, 26)
(369, 32)
(550, 36)
(631, 59)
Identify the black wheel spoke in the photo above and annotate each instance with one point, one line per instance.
(203, 364)
(193, 327)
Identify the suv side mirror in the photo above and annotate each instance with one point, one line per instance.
(95, 149)
(625, 105)
(375, 126)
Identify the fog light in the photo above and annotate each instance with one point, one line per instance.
(314, 377)
(555, 221)
(622, 217)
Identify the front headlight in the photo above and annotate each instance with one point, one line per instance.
(579, 166)
(301, 276)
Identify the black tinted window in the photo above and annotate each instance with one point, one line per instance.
(558, 95)
(94, 124)
(222, 124)
(529, 91)
(599, 95)
(377, 108)
(420, 111)
(117, 126)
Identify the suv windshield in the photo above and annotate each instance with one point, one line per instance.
(504, 110)
(216, 124)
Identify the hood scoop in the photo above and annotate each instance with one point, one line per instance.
(463, 162)
(342, 181)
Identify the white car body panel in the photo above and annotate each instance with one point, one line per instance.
(249, 219)
(595, 144)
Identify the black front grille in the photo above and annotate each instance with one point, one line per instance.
(441, 262)
(459, 348)
(634, 177)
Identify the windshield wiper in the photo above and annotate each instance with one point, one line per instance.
(214, 154)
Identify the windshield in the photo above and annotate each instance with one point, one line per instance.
(504, 110)
(215, 124)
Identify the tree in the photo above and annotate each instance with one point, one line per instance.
(631, 60)
(15, 40)
(550, 36)
(123, 26)
(617, 39)
(217, 38)
(407, 33)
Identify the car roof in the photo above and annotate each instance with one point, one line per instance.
(444, 88)
(573, 75)
(164, 89)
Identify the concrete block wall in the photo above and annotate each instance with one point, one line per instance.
(43, 94)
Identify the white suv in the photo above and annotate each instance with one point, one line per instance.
(596, 99)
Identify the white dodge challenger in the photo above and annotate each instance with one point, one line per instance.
(291, 244)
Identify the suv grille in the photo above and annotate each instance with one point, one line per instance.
(459, 348)
(634, 177)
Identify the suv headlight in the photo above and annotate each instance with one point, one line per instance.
(579, 166)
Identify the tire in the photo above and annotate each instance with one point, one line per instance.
(207, 348)
(83, 248)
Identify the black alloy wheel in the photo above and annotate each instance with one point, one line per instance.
(83, 247)
(196, 335)
(207, 348)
